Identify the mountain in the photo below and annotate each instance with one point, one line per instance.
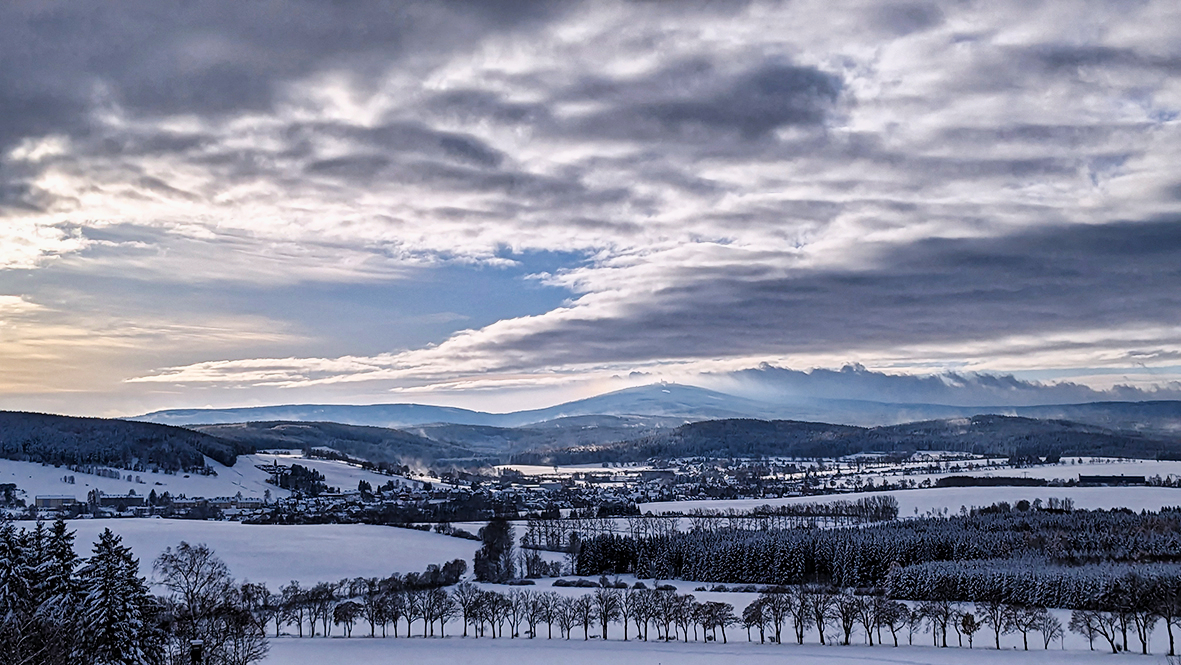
(66, 440)
(373, 415)
(985, 434)
(1160, 417)
(666, 405)
(668, 401)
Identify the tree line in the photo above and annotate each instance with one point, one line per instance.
(865, 556)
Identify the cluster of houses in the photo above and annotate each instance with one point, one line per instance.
(99, 504)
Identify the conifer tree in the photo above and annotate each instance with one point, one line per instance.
(117, 612)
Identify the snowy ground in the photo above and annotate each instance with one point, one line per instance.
(454, 649)
(244, 477)
(336, 474)
(951, 498)
(569, 470)
(1068, 470)
(277, 554)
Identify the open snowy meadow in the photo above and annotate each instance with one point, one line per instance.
(245, 478)
(277, 554)
(951, 498)
(454, 650)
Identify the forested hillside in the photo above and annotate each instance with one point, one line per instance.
(987, 435)
(50, 439)
(376, 444)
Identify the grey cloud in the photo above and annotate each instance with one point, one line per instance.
(470, 150)
(762, 100)
(63, 60)
(691, 101)
(854, 382)
(353, 167)
(904, 19)
(1043, 281)
(468, 105)
(1071, 57)
(21, 197)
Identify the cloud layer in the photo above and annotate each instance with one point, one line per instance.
(916, 187)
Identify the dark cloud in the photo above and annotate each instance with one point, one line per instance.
(209, 58)
(693, 101)
(759, 101)
(1072, 57)
(1042, 281)
(904, 18)
(854, 382)
(353, 167)
(21, 197)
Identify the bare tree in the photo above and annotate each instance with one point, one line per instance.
(821, 608)
(992, 614)
(1050, 628)
(584, 610)
(847, 609)
(565, 615)
(466, 596)
(606, 607)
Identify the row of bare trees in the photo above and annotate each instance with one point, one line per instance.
(666, 612)
(205, 603)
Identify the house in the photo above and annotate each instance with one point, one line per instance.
(54, 501)
(659, 475)
(1112, 480)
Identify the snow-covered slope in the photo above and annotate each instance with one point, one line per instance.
(336, 474)
(277, 554)
(243, 477)
(951, 498)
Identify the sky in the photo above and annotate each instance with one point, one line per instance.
(504, 205)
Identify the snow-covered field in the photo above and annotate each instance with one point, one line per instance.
(1099, 466)
(244, 477)
(293, 651)
(277, 554)
(951, 498)
(541, 651)
(336, 474)
(536, 470)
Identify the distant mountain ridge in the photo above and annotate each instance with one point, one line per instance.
(663, 405)
(666, 421)
(990, 435)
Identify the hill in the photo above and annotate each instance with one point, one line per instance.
(67, 440)
(986, 435)
(668, 405)
(375, 444)
(662, 401)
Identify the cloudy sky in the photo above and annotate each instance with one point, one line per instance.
(503, 204)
